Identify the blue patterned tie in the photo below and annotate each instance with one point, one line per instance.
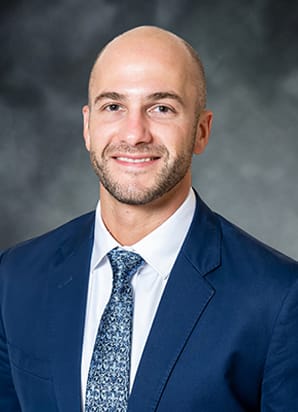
(108, 379)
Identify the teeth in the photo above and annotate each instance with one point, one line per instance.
(130, 160)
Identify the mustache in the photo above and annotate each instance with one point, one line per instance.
(139, 149)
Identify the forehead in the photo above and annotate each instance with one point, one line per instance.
(141, 66)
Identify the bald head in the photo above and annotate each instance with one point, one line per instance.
(151, 42)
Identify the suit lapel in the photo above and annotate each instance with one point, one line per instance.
(185, 298)
(68, 295)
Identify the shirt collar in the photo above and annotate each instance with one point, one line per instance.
(159, 248)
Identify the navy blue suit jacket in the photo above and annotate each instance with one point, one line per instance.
(224, 339)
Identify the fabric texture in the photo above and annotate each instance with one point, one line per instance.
(108, 380)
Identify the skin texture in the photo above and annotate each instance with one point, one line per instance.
(144, 121)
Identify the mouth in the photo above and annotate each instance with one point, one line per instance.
(135, 160)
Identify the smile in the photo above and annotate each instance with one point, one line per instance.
(134, 160)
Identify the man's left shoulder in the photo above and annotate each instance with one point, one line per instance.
(254, 255)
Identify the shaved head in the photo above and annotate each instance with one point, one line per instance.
(155, 38)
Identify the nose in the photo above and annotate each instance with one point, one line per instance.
(136, 128)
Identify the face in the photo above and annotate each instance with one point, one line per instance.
(141, 126)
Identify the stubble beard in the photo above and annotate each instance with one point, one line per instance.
(166, 179)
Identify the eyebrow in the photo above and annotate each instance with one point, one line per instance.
(166, 95)
(109, 95)
(153, 96)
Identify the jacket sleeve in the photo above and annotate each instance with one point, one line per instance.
(280, 381)
(8, 397)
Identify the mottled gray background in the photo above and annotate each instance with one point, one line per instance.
(249, 172)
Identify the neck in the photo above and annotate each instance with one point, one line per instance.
(130, 223)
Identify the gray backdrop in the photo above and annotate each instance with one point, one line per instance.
(249, 172)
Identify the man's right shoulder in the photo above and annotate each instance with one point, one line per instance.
(48, 243)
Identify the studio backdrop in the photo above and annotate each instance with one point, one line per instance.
(249, 171)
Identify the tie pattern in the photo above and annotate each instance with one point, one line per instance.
(108, 379)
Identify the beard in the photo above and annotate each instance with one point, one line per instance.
(170, 174)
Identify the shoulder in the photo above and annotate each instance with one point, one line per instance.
(254, 267)
(244, 245)
(238, 254)
(47, 244)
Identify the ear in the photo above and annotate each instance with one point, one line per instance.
(203, 131)
(86, 134)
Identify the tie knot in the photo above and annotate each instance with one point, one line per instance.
(124, 262)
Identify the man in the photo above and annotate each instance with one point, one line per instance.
(215, 312)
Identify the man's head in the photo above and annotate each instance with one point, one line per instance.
(146, 115)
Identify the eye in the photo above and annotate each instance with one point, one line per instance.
(162, 109)
(112, 107)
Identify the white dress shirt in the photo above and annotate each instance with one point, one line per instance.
(159, 249)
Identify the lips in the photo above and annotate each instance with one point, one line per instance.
(135, 160)
(143, 154)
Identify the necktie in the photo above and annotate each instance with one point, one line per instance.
(108, 378)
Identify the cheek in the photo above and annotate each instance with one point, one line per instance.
(100, 136)
(178, 140)
(167, 133)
